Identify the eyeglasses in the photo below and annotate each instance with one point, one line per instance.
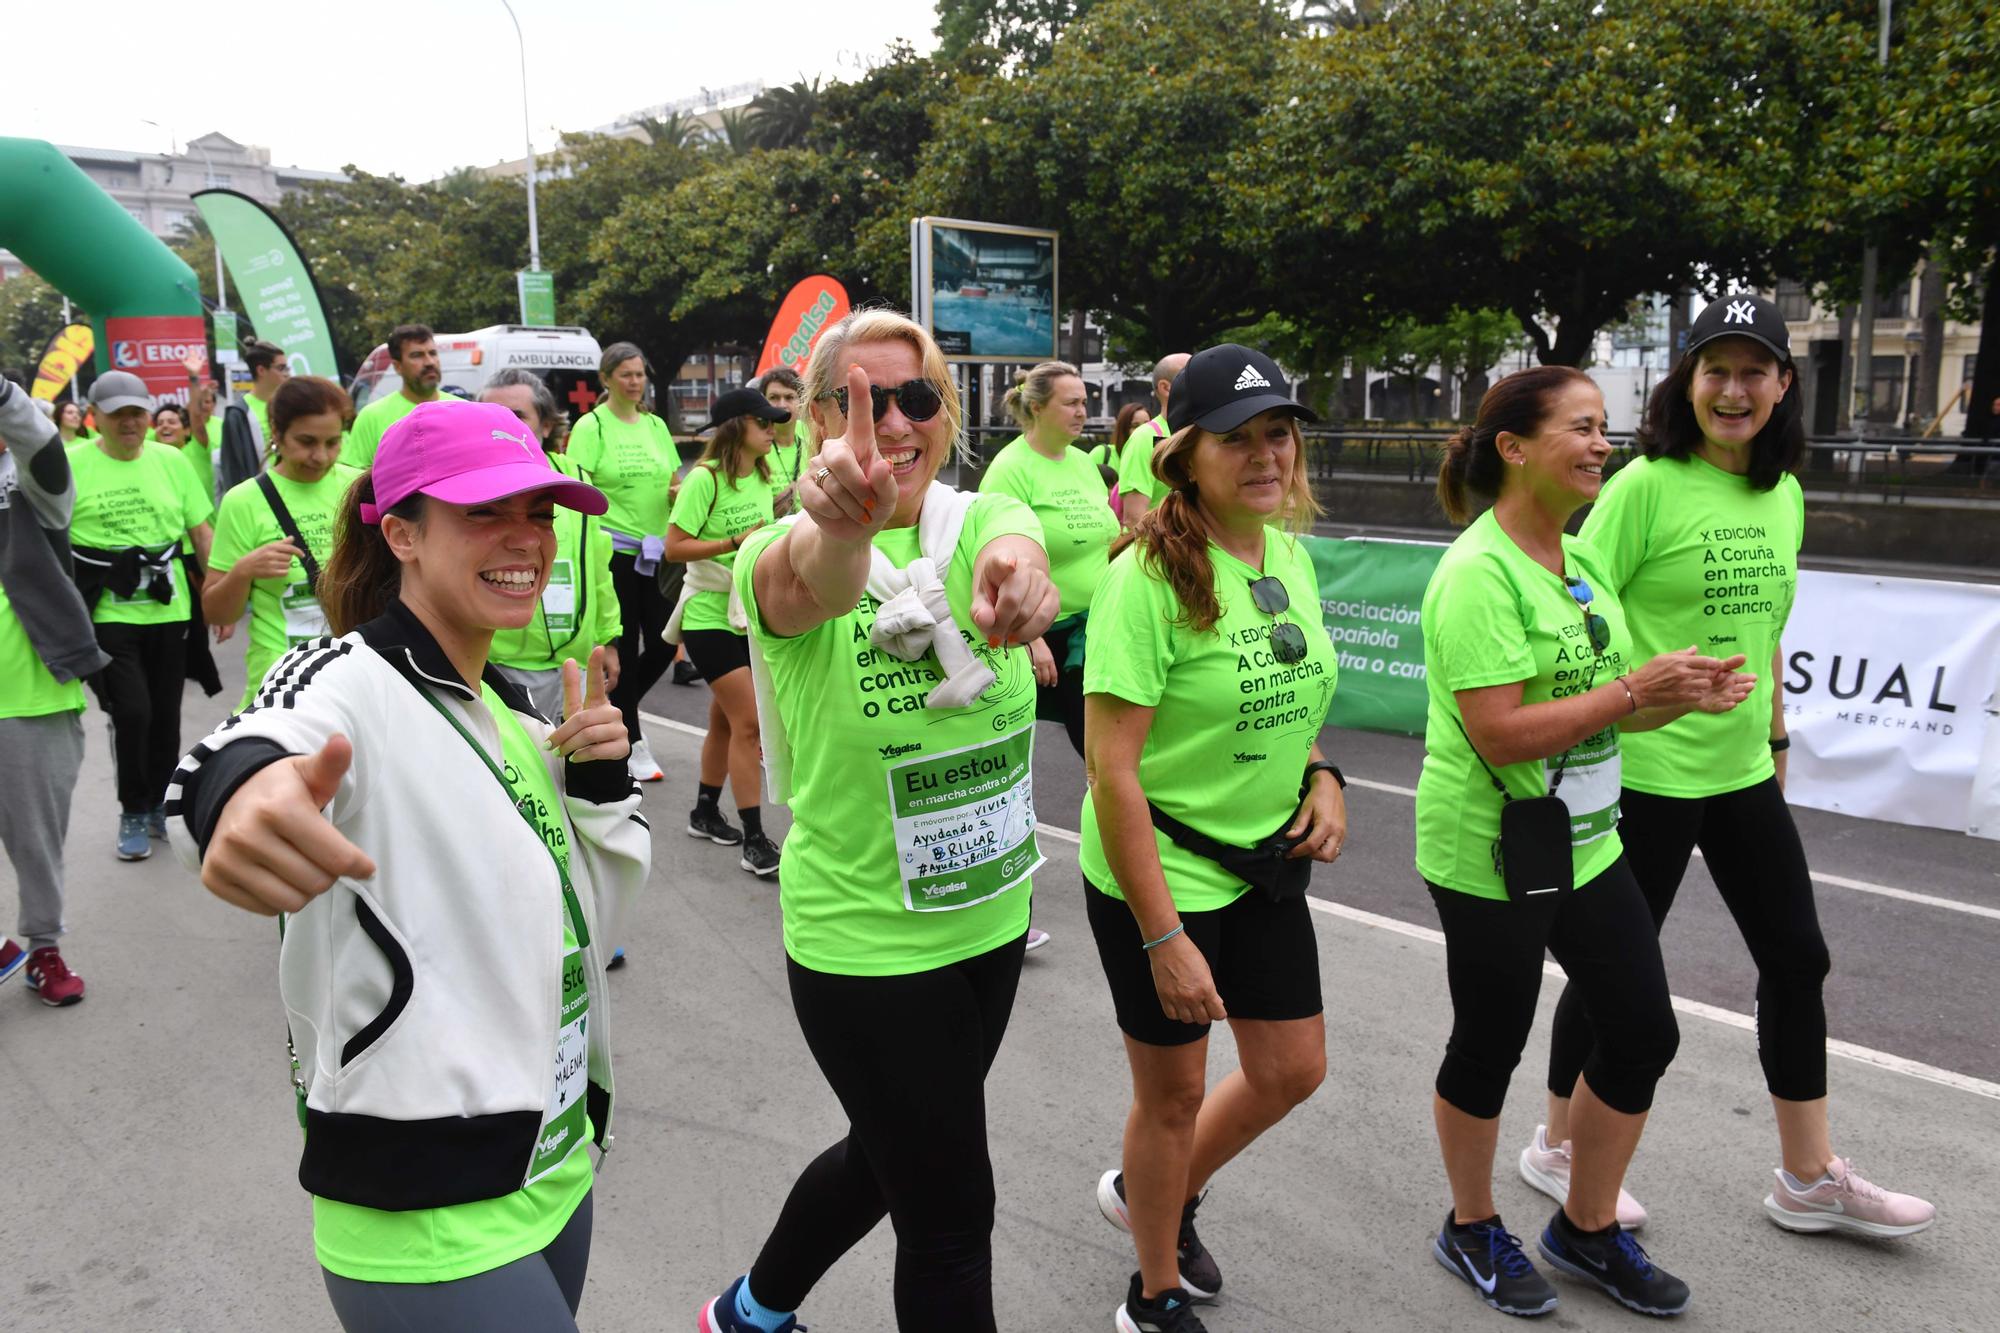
(1600, 629)
(919, 399)
(1288, 641)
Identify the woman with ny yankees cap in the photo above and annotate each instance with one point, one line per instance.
(444, 858)
(1204, 691)
(1700, 538)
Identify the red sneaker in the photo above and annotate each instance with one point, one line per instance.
(50, 977)
(12, 959)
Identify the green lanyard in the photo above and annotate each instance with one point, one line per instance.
(521, 803)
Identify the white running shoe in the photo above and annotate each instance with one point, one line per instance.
(1037, 937)
(640, 764)
(1547, 1169)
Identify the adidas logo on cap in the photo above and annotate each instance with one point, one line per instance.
(1250, 379)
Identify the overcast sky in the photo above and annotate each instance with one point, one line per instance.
(414, 87)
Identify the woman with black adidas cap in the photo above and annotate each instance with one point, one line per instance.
(728, 494)
(1528, 663)
(1700, 539)
(1202, 821)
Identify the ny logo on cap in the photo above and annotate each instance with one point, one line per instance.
(1740, 312)
(1250, 379)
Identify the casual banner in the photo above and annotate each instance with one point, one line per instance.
(276, 285)
(67, 352)
(1371, 594)
(1887, 686)
(156, 349)
(808, 308)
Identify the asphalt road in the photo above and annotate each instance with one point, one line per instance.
(152, 1175)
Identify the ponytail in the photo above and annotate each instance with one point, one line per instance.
(1033, 390)
(363, 578)
(1518, 404)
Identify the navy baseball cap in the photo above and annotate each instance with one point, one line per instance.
(1742, 315)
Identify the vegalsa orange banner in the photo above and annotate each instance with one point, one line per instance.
(68, 350)
(809, 307)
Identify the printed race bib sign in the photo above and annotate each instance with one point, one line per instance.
(563, 1128)
(559, 598)
(1590, 786)
(965, 823)
(304, 618)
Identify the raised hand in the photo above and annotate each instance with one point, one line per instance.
(850, 491)
(1013, 600)
(274, 849)
(591, 728)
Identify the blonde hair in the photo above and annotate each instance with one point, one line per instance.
(1172, 537)
(1034, 389)
(876, 324)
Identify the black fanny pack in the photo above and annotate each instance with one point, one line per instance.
(1268, 866)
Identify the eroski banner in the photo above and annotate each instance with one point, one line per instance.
(1888, 682)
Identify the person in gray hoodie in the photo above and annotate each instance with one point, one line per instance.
(47, 647)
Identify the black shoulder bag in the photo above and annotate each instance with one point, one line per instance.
(1532, 855)
(290, 527)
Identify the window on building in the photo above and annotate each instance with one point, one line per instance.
(177, 217)
(220, 180)
(1885, 390)
(1893, 299)
(138, 214)
(1794, 301)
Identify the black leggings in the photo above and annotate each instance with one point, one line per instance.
(643, 656)
(1063, 701)
(141, 693)
(907, 1056)
(1754, 856)
(537, 1293)
(1601, 935)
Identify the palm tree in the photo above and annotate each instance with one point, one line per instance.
(781, 117)
(735, 131)
(677, 130)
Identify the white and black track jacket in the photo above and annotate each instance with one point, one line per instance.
(424, 1002)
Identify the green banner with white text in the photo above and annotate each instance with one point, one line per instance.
(274, 284)
(1371, 596)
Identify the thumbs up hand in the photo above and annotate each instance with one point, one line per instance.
(274, 849)
(592, 728)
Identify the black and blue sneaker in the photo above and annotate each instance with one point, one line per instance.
(1491, 1262)
(1172, 1311)
(1615, 1262)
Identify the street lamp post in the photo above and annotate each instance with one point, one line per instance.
(527, 138)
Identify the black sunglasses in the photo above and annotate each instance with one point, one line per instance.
(919, 399)
(1288, 641)
(1600, 629)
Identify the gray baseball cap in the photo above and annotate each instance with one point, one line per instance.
(119, 388)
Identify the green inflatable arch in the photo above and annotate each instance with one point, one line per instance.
(143, 301)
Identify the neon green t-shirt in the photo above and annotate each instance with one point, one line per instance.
(633, 464)
(371, 423)
(1233, 728)
(1700, 558)
(1135, 462)
(579, 607)
(153, 501)
(464, 1239)
(202, 462)
(27, 689)
(1072, 505)
(283, 611)
(263, 411)
(1491, 615)
(913, 838)
(710, 513)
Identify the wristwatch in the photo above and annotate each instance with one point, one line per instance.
(1320, 766)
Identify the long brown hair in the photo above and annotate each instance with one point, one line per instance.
(1517, 404)
(1173, 535)
(363, 577)
(724, 452)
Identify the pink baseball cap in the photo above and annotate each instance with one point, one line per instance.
(464, 454)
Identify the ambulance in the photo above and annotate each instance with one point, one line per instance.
(563, 355)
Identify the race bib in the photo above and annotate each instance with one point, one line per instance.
(559, 598)
(563, 1126)
(965, 823)
(303, 617)
(1590, 786)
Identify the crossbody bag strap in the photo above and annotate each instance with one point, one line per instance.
(519, 801)
(290, 527)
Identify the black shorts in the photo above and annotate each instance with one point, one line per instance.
(716, 652)
(1263, 956)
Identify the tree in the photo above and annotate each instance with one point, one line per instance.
(676, 130)
(1121, 141)
(1021, 33)
(1553, 159)
(30, 314)
(782, 117)
(735, 131)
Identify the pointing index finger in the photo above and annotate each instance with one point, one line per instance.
(860, 417)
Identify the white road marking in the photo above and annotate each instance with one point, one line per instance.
(1694, 1008)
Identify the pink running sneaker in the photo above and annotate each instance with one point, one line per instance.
(1547, 1169)
(1842, 1201)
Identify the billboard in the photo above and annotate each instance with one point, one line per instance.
(986, 292)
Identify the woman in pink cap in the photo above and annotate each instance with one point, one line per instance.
(445, 859)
